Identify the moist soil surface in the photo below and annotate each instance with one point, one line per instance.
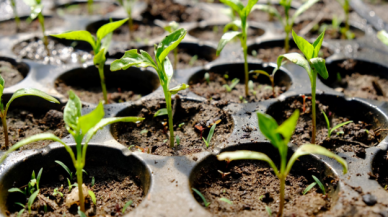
(168, 10)
(23, 124)
(360, 85)
(252, 185)
(379, 167)
(353, 137)
(214, 33)
(113, 189)
(190, 118)
(8, 28)
(10, 73)
(93, 94)
(34, 49)
(215, 90)
(98, 8)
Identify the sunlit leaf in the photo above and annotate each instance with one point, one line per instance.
(88, 121)
(176, 89)
(133, 58)
(228, 36)
(287, 128)
(318, 65)
(303, 45)
(30, 92)
(80, 35)
(72, 111)
(169, 43)
(108, 28)
(268, 127)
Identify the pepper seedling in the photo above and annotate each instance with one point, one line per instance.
(128, 6)
(331, 130)
(170, 28)
(17, 94)
(15, 13)
(82, 128)
(287, 21)
(317, 181)
(280, 136)
(36, 12)
(201, 196)
(312, 64)
(209, 136)
(99, 48)
(230, 87)
(242, 24)
(162, 65)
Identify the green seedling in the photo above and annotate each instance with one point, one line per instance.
(93, 196)
(17, 94)
(271, 77)
(261, 197)
(280, 136)
(15, 13)
(202, 197)
(56, 191)
(269, 211)
(36, 12)
(178, 140)
(90, 7)
(287, 21)
(331, 130)
(170, 28)
(382, 35)
(126, 206)
(309, 188)
(230, 87)
(209, 136)
(207, 77)
(321, 186)
(22, 210)
(312, 64)
(345, 7)
(223, 199)
(161, 112)
(238, 7)
(128, 6)
(82, 128)
(162, 65)
(181, 125)
(100, 48)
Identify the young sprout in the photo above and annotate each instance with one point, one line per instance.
(128, 5)
(170, 28)
(287, 21)
(181, 125)
(331, 130)
(17, 94)
(15, 13)
(202, 197)
(100, 48)
(82, 128)
(223, 199)
(321, 186)
(127, 205)
(36, 12)
(178, 140)
(309, 188)
(230, 87)
(207, 77)
(243, 12)
(209, 136)
(269, 211)
(93, 196)
(271, 78)
(280, 136)
(161, 64)
(57, 192)
(312, 64)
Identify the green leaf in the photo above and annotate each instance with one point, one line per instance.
(211, 132)
(319, 66)
(35, 11)
(72, 111)
(168, 70)
(225, 39)
(20, 213)
(269, 9)
(303, 8)
(201, 195)
(223, 199)
(176, 89)
(20, 204)
(99, 58)
(108, 28)
(236, 5)
(307, 149)
(80, 213)
(298, 60)
(171, 27)
(64, 166)
(206, 143)
(161, 112)
(247, 155)
(309, 188)
(30, 92)
(319, 184)
(303, 45)
(12, 190)
(318, 43)
(169, 43)
(39, 176)
(260, 72)
(268, 127)
(80, 35)
(383, 36)
(234, 23)
(126, 206)
(93, 196)
(2, 84)
(31, 200)
(287, 128)
(327, 121)
(88, 121)
(132, 58)
(340, 125)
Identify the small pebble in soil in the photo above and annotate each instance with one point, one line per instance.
(369, 199)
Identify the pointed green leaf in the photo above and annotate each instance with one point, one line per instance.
(20, 213)
(303, 45)
(99, 58)
(288, 127)
(168, 69)
(247, 155)
(228, 36)
(72, 111)
(318, 43)
(35, 11)
(80, 35)
(269, 9)
(39, 175)
(321, 186)
(309, 188)
(340, 125)
(64, 166)
(93, 196)
(223, 199)
(268, 128)
(318, 65)
(176, 89)
(303, 8)
(211, 132)
(30, 92)
(383, 36)
(161, 112)
(31, 200)
(12, 190)
(236, 5)
(132, 58)
(126, 206)
(298, 60)
(80, 213)
(327, 120)
(88, 121)
(169, 43)
(201, 195)
(108, 28)
(234, 23)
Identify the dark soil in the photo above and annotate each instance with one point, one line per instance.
(252, 185)
(34, 49)
(261, 16)
(113, 189)
(361, 85)
(168, 10)
(152, 136)
(215, 90)
(356, 136)
(23, 124)
(8, 28)
(93, 94)
(214, 33)
(99, 8)
(10, 73)
(379, 167)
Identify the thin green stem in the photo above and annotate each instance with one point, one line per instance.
(90, 7)
(313, 87)
(45, 39)
(346, 9)
(167, 96)
(5, 129)
(102, 78)
(245, 51)
(80, 190)
(15, 12)
(287, 42)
